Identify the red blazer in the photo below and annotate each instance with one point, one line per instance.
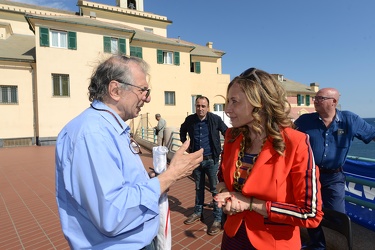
(289, 183)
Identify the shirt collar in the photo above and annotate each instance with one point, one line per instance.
(338, 115)
(111, 118)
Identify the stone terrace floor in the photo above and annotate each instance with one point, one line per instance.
(28, 210)
(29, 217)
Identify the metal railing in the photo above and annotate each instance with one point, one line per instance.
(147, 134)
(175, 142)
(360, 158)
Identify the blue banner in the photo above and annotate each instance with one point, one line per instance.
(360, 192)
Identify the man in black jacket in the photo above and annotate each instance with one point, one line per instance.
(203, 128)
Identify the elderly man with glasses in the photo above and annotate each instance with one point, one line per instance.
(105, 197)
(331, 134)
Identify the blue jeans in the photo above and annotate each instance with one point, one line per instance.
(209, 168)
(333, 197)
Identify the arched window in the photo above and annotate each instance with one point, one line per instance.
(132, 4)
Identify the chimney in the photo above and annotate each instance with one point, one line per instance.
(280, 78)
(209, 44)
(314, 86)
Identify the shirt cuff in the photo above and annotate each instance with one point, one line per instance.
(268, 208)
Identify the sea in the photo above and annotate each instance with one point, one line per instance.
(358, 148)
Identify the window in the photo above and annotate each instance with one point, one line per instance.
(136, 51)
(303, 100)
(60, 84)
(169, 97)
(8, 94)
(168, 57)
(59, 39)
(132, 4)
(193, 98)
(149, 30)
(219, 107)
(195, 67)
(114, 45)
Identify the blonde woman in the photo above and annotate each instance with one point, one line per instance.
(269, 184)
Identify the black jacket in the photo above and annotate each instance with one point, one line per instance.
(215, 125)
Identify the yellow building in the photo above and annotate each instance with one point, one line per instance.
(47, 57)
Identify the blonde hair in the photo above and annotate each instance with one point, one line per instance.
(271, 107)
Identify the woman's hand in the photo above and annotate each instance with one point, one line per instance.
(232, 202)
(235, 202)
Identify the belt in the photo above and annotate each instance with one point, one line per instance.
(207, 157)
(330, 171)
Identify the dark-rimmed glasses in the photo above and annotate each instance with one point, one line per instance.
(321, 98)
(142, 89)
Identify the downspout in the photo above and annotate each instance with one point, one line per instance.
(35, 107)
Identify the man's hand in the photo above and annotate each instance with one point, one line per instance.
(181, 166)
(184, 164)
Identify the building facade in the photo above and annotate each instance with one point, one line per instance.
(47, 57)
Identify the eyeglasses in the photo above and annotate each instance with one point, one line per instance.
(321, 98)
(251, 72)
(134, 147)
(142, 89)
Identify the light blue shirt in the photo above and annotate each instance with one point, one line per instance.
(105, 197)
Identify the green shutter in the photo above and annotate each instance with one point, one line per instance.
(139, 52)
(299, 97)
(133, 51)
(72, 40)
(107, 44)
(176, 58)
(44, 37)
(198, 67)
(136, 51)
(4, 95)
(56, 85)
(122, 45)
(160, 56)
(307, 100)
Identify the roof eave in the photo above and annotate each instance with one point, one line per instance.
(78, 23)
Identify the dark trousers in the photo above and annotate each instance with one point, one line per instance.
(209, 168)
(333, 197)
(152, 245)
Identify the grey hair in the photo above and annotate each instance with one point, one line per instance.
(117, 67)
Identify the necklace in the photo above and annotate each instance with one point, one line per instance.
(237, 174)
(108, 112)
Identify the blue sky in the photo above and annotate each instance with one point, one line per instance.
(328, 42)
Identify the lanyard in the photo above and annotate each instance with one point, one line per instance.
(108, 112)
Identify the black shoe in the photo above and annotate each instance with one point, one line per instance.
(193, 218)
(215, 228)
